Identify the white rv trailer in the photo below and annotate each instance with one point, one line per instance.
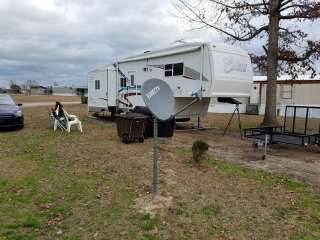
(214, 70)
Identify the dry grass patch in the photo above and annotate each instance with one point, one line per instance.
(86, 186)
(44, 98)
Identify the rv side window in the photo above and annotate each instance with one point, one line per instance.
(97, 84)
(123, 82)
(168, 70)
(132, 80)
(177, 69)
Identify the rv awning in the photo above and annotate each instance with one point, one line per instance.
(161, 53)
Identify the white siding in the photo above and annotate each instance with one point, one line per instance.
(301, 94)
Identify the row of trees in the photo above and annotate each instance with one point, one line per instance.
(279, 24)
(26, 87)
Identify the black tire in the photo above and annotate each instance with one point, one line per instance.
(125, 138)
(141, 139)
(112, 110)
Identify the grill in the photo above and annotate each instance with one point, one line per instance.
(9, 120)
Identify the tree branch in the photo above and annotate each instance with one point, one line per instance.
(305, 12)
(239, 6)
(283, 3)
(245, 37)
(291, 56)
(294, 6)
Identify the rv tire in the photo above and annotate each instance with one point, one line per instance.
(112, 110)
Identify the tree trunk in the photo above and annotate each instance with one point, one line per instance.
(270, 117)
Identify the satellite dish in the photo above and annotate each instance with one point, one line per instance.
(158, 97)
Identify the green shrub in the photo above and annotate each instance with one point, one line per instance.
(199, 148)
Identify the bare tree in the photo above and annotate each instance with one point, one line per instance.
(14, 87)
(287, 49)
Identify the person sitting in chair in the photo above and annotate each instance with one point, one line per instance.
(63, 120)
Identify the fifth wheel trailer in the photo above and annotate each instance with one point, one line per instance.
(211, 69)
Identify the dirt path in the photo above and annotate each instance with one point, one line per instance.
(299, 162)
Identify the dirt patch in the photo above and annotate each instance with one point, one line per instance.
(300, 162)
(152, 204)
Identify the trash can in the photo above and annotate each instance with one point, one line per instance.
(165, 128)
(84, 99)
(131, 127)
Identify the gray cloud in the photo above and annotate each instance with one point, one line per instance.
(64, 43)
(70, 38)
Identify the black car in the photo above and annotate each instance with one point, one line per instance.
(10, 114)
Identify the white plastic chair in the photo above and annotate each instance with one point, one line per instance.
(72, 120)
(68, 120)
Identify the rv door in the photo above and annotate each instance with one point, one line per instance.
(99, 85)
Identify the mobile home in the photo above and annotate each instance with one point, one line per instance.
(303, 90)
(213, 70)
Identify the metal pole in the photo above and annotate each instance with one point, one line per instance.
(306, 123)
(229, 123)
(285, 119)
(265, 147)
(294, 119)
(155, 158)
(186, 106)
(239, 121)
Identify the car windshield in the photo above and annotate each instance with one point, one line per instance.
(6, 100)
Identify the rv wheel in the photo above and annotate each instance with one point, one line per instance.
(125, 138)
(141, 139)
(112, 110)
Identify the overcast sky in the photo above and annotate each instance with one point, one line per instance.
(61, 40)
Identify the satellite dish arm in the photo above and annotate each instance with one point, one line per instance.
(186, 106)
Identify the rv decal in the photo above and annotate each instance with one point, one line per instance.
(130, 88)
(160, 66)
(234, 65)
(191, 73)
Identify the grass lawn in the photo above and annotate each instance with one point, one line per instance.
(55, 185)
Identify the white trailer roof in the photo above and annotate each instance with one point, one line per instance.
(182, 48)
